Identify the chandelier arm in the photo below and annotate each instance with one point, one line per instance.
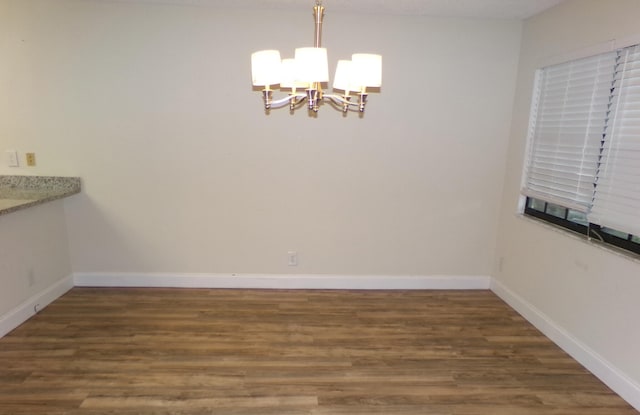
(339, 99)
(284, 101)
(362, 101)
(344, 108)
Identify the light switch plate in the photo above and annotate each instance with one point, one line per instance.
(11, 157)
(292, 258)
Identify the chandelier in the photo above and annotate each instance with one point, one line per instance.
(304, 75)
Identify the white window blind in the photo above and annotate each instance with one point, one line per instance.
(568, 122)
(616, 203)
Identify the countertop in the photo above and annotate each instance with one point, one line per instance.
(21, 192)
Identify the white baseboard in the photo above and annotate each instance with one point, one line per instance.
(32, 305)
(267, 281)
(609, 374)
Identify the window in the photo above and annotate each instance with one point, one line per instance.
(583, 157)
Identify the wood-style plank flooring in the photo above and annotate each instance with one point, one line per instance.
(241, 352)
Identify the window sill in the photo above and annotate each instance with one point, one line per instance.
(582, 238)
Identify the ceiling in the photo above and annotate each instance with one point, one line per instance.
(483, 9)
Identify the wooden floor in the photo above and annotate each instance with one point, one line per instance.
(240, 352)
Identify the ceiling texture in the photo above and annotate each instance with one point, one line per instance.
(480, 9)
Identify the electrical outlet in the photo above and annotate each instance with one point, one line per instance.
(31, 159)
(11, 156)
(292, 258)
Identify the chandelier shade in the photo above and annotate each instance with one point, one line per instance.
(311, 65)
(367, 69)
(344, 78)
(309, 69)
(288, 78)
(362, 71)
(266, 67)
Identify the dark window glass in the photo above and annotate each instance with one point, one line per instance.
(618, 234)
(536, 204)
(577, 217)
(557, 211)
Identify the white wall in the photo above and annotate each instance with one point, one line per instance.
(182, 172)
(589, 293)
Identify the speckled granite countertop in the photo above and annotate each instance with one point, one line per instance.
(20, 192)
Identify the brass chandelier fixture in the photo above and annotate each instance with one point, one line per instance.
(309, 70)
